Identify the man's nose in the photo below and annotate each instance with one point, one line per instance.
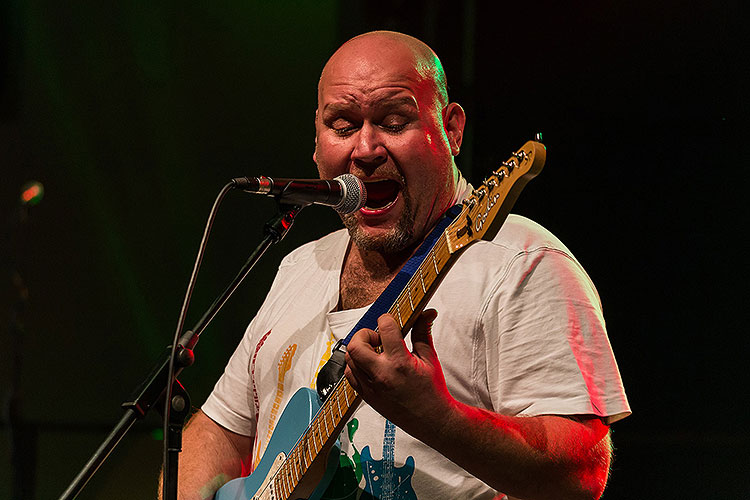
(369, 150)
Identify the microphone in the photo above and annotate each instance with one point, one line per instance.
(345, 194)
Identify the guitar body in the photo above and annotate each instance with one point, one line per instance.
(295, 418)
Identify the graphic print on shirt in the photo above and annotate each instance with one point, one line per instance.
(345, 482)
(382, 479)
(324, 359)
(361, 477)
(285, 364)
(256, 400)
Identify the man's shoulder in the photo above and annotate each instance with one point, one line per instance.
(522, 235)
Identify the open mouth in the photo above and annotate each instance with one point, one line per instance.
(381, 194)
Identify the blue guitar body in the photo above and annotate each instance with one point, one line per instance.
(293, 422)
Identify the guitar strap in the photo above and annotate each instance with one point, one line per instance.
(333, 370)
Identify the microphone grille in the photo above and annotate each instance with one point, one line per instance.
(354, 194)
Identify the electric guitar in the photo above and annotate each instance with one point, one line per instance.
(302, 456)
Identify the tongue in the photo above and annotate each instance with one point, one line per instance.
(381, 193)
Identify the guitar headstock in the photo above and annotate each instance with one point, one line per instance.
(485, 210)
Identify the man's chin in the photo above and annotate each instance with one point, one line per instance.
(383, 240)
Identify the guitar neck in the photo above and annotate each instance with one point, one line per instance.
(422, 284)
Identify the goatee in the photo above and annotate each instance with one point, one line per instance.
(399, 238)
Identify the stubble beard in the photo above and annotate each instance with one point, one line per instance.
(399, 238)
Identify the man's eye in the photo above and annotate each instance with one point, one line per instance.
(394, 123)
(342, 126)
(396, 127)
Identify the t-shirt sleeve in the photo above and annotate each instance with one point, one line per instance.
(547, 350)
(231, 404)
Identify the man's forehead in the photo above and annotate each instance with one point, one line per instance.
(371, 84)
(370, 72)
(384, 97)
(369, 63)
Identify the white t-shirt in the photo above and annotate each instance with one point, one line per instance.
(519, 331)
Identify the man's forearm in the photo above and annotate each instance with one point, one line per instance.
(543, 457)
(534, 458)
(211, 456)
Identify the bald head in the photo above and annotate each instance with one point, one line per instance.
(387, 51)
(383, 115)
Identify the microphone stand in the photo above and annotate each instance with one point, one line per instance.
(153, 387)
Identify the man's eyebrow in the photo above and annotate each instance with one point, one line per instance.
(336, 107)
(389, 102)
(400, 101)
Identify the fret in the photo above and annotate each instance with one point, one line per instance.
(335, 417)
(319, 444)
(296, 472)
(314, 443)
(326, 423)
(432, 253)
(294, 460)
(287, 482)
(288, 469)
(311, 440)
(421, 279)
(284, 485)
(411, 302)
(441, 259)
(338, 405)
(429, 274)
(306, 444)
(302, 458)
(398, 311)
(416, 292)
(290, 481)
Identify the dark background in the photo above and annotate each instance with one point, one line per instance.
(134, 116)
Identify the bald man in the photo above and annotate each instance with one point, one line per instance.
(509, 392)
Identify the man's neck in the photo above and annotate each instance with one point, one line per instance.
(366, 273)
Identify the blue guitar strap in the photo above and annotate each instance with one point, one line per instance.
(333, 370)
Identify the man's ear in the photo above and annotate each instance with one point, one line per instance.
(316, 137)
(454, 120)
